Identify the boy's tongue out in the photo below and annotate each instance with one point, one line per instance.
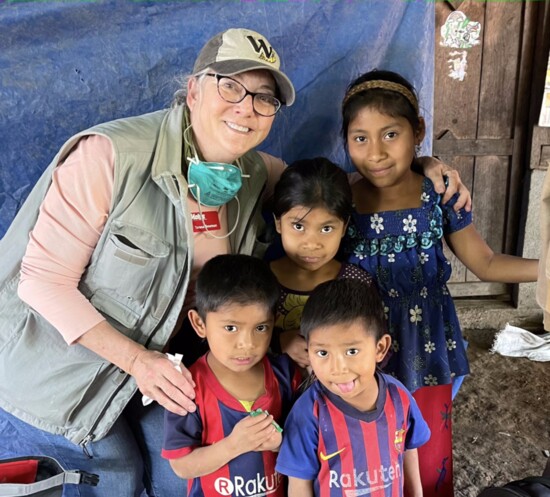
(346, 387)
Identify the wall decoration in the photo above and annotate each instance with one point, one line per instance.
(458, 64)
(459, 31)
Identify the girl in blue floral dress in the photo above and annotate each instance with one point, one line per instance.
(396, 235)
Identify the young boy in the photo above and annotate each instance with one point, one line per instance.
(229, 445)
(355, 430)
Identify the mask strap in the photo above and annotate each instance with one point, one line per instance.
(238, 162)
(187, 139)
(202, 217)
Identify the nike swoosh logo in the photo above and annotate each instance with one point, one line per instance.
(328, 456)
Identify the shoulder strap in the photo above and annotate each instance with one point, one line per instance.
(47, 466)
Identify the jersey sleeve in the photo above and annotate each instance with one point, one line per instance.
(298, 453)
(297, 379)
(181, 434)
(294, 375)
(286, 371)
(289, 378)
(418, 432)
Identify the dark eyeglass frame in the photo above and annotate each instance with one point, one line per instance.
(246, 93)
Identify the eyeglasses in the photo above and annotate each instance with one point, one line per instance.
(234, 92)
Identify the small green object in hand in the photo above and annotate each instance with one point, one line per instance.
(259, 411)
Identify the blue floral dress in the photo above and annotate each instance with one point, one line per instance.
(404, 251)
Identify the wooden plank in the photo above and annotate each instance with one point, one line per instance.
(456, 102)
(455, 4)
(540, 147)
(499, 79)
(497, 106)
(489, 201)
(472, 147)
(544, 157)
(481, 116)
(474, 289)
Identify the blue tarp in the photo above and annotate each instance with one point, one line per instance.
(65, 66)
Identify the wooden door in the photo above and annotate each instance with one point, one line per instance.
(483, 60)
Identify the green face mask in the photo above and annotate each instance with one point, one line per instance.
(213, 183)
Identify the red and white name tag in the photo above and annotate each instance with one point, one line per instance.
(208, 220)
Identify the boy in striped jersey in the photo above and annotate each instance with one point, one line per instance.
(355, 430)
(221, 448)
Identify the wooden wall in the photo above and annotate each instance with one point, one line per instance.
(481, 114)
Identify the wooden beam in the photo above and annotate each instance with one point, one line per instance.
(540, 147)
(477, 289)
(466, 147)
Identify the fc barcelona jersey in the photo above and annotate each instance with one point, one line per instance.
(251, 474)
(347, 452)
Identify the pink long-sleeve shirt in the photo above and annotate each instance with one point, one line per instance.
(71, 220)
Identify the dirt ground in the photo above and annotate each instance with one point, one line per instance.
(501, 419)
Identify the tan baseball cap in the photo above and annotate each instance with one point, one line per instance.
(239, 50)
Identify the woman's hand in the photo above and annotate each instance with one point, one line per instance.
(436, 170)
(154, 373)
(294, 344)
(158, 379)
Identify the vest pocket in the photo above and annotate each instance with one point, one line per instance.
(120, 313)
(125, 270)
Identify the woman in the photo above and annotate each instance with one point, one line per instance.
(119, 225)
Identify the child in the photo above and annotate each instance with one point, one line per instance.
(396, 234)
(312, 207)
(221, 448)
(355, 430)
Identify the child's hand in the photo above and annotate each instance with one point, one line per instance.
(294, 344)
(251, 433)
(273, 442)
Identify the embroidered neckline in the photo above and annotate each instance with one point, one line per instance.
(384, 245)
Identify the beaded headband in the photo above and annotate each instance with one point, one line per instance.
(383, 85)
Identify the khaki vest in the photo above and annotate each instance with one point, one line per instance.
(137, 278)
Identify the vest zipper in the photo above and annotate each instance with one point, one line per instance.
(87, 439)
(90, 435)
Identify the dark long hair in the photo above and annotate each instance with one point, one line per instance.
(389, 102)
(313, 183)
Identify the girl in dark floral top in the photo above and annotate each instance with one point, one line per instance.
(312, 207)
